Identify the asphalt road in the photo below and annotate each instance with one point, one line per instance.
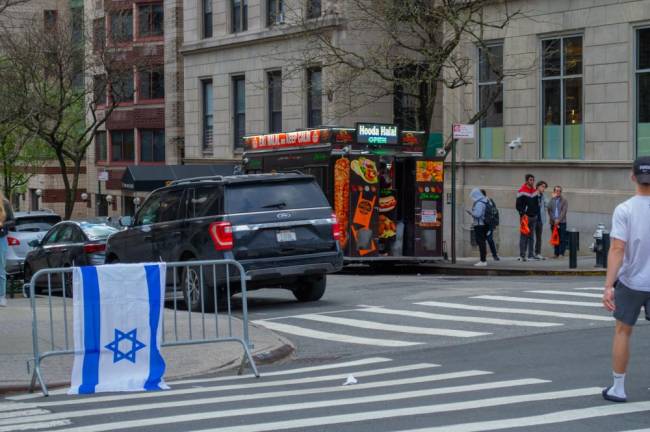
(429, 354)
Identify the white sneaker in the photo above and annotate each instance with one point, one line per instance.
(481, 264)
(3, 301)
(539, 257)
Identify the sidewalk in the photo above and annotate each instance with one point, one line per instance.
(184, 361)
(509, 266)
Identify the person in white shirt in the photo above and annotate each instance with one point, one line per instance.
(627, 286)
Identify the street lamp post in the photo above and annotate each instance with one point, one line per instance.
(39, 192)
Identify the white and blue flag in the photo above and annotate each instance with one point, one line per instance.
(117, 328)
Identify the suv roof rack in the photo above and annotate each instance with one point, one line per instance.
(197, 179)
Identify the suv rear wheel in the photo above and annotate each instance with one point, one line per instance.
(310, 289)
(192, 292)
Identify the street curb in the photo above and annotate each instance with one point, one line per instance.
(470, 270)
(276, 354)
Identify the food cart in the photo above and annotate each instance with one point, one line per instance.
(387, 195)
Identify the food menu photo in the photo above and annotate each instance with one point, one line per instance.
(364, 190)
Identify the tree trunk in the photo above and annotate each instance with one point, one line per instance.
(69, 204)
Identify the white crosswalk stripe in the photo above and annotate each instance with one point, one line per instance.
(516, 311)
(457, 318)
(373, 325)
(317, 334)
(566, 293)
(544, 419)
(589, 289)
(537, 300)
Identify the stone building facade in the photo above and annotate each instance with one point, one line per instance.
(576, 96)
(241, 74)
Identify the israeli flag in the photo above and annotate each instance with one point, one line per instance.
(117, 328)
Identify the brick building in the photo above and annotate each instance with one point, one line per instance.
(146, 128)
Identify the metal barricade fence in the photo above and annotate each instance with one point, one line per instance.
(185, 280)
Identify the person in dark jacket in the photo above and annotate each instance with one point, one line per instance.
(6, 221)
(527, 204)
(557, 208)
(541, 218)
(478, 213)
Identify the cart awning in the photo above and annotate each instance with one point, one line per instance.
(147, 178)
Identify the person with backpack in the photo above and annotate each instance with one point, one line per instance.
(541, 219)
(491, 221)
(480, 228)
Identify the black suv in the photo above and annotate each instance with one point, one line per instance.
(280, 227)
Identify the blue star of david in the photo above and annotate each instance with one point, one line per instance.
(114, 346)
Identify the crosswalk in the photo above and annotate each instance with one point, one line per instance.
(429, 322)
(392, 396)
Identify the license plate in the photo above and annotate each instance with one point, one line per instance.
(286, 236)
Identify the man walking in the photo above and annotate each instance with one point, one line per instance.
(558, 207)
(527, 205)
(489, 236)
(627, 287)
(541, 218)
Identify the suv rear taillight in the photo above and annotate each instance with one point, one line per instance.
(336, 228)
(221, 234)
(94, 248)
(13, 241)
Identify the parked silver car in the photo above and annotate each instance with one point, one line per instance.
(31, 225)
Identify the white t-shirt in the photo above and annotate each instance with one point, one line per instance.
(631, 223)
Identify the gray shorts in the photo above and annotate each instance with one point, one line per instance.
(628, 304)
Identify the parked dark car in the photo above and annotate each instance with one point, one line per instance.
(280, 227)
(30, 225)
(67, 244)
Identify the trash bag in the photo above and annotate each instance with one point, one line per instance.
(555, 236)
(524, 229)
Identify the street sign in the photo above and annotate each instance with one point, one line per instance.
(102, 176)
(463, 131)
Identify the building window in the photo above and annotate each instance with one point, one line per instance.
(101, 151)
(99, 34)
(152, 83)
(207, 18)
(208, 114)
(152, 145)
(275, 101)
(239, 109)
(410, 98)
(99, 89)
(122, 146)
(314, 97)
(239, 15)
(122, 87)
(49, 19)
(313, 8)
(274, 12)
(122, 26)
(643, 92)
(150, 20)
(490, 102)
(563, 130)
(77, 24)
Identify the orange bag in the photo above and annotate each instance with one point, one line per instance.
(524, 229)
(555, 236)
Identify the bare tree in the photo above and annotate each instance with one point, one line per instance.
(412, 48)
(66, 85)
(6, 4)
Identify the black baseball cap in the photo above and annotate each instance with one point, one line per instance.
(642, 169)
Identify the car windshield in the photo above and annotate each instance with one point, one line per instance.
(35, 223)
(259, 197)
(97, 231)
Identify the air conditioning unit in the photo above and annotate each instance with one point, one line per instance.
(279, 18)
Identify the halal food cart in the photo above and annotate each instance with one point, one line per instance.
(387, 195)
